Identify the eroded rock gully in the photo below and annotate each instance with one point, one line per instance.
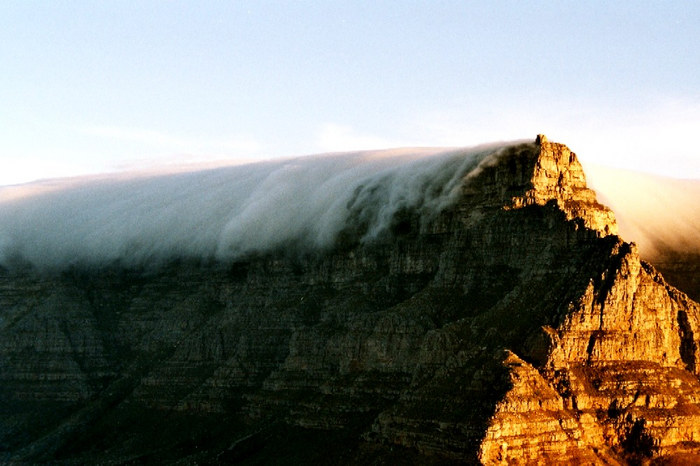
(515, 327)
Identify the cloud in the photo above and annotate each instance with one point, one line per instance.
(302, 203)
(227, 212)
(660, 214)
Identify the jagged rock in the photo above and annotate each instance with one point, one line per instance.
(515, 327)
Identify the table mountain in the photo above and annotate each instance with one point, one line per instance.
(511, 325)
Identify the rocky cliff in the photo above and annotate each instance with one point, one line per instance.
(512, 327)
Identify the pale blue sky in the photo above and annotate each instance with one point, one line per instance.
(91, 86)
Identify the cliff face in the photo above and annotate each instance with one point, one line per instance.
(513, 327)
(620, 371)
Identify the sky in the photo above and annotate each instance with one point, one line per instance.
(90, 87)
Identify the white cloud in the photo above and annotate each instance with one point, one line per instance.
(658, 213)
(226, 212)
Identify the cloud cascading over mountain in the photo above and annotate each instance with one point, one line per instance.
(659, 213)
(226, 212)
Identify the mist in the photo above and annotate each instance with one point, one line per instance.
(660, 214)
(228, 212)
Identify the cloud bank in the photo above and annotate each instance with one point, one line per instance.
(227, 212)
(224, 213)
(660, 214)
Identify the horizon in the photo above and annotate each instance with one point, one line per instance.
(99, 88)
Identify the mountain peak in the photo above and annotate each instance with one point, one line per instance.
(539, 173)
(557, 175)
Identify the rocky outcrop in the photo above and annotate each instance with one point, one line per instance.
(620, 372)
(513, 327)
(557, 175)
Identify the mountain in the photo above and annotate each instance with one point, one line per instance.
(485, 313)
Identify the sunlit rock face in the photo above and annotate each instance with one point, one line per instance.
(620, 371)
(554, 173)
(510, 325)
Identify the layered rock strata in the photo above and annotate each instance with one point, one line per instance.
(514, 327)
